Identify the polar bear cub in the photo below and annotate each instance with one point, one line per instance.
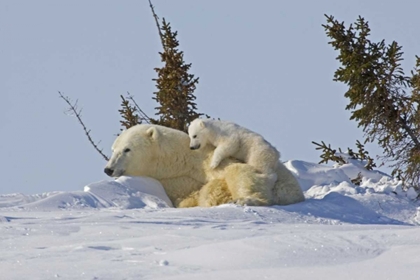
(232, 140)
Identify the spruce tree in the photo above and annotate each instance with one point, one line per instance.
(128, 114)
(383, 101)
(175, 91)
(175, 85)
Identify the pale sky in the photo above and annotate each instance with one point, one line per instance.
(263, 64)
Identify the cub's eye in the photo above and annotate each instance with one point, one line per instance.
(195, 136)
(127, 150)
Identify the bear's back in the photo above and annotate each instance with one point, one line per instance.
(231, 129)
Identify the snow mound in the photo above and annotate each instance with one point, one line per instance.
(123, 193)
(331, 197)
(318, 180)
(130, 192)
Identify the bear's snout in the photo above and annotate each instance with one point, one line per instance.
(195, 147)
(108, 171)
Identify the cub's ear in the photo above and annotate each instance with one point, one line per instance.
(152, 132)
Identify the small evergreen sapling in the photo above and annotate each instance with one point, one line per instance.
(128, 114)
(177, 107)
(330, 154)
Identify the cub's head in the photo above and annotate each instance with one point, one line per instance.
(197, 133)
(133, 152)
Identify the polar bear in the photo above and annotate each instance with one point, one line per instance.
(163, 153)
(233, 140)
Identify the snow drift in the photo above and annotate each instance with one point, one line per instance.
(331, 197)
(127, 229)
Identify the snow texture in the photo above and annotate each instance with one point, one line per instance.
(127, 229)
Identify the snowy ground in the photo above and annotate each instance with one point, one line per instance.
(126, 229)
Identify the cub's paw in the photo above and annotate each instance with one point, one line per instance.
(214, 165)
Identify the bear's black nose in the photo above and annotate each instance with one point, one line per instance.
(108, 171)
(195, 147)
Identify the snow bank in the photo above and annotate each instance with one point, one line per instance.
(331, 197)
(127, 229)
(123, 193)
(130, 192)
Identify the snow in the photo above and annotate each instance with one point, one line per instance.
(128, 229)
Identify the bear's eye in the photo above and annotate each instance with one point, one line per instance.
(127, 150)
(195, 136)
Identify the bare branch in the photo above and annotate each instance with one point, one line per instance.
(144, 116)
(157, 24)
(77, 112)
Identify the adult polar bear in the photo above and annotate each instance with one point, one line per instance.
(164, 154)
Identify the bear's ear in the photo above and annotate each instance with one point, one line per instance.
(152, 132)
(202, 124)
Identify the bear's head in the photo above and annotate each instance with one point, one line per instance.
(197, 133)
(147, 150)
(131, 151)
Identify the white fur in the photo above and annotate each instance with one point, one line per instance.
(164, 154)
(232, 140)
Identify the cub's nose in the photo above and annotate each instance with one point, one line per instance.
(108, 171)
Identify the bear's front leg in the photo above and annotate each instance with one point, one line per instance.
(220, 153)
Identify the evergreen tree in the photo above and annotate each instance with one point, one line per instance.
(175, 85)
(383, 101)
(128, 114)
(329, 153)
(175, 91)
